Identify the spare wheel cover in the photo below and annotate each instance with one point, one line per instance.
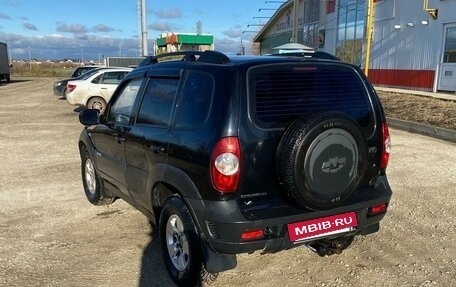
(329, 160)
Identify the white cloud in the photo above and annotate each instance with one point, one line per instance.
(172, 13)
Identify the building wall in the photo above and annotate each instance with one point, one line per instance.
(408, 56)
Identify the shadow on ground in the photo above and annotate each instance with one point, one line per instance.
(153, 270)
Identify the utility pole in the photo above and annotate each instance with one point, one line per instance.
(369, 35)
(142, 27)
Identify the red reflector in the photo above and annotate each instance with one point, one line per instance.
(252, 234)
(378, 209)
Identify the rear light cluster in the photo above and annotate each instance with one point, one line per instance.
(225, 164)
(386, 149)
(70, 88)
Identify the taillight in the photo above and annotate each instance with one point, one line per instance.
(70, 88)
(225, 164)
(386, 149)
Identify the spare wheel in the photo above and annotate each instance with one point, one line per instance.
(321, 160)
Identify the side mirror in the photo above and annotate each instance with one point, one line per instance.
(89, 117)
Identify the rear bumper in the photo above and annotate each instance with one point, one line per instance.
(74, 99)
(222, 223)
(58, 90)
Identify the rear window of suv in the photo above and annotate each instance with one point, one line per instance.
(281, 93)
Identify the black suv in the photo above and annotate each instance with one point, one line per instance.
(231, 155)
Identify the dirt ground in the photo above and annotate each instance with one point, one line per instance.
(51, 236)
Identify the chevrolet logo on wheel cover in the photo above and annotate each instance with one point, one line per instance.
(333, 165)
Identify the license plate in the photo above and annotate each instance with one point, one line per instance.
(321, 227)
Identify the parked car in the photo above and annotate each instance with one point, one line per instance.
(231, 155)
(59, 87)
(82, 70)
(94, 90)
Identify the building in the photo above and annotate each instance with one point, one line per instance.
(413, 41)
(173, 42)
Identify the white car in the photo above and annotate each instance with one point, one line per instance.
(95, 89)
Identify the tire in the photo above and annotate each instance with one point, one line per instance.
(180, 243)
(8, 79)
(97, 103)
(64, 93)
(321, 160)
(93, 187)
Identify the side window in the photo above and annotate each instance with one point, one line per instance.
(113, 77)
(195, 101)
(122, 109)
(158, 101)
(96, 80)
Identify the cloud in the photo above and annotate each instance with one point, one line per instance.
(227, 45)
(22, 18)
(160, 26)
(29, 26)
(235, 32)
(56, 46)
(4, 16)
(102, 28)
(172, 13)
(71, 28)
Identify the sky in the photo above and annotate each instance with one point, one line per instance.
(93, 29)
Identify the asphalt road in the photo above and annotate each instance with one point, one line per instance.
(51, 236)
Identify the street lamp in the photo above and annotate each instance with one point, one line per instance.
(263, 9)
(255, 25)
(243, 32)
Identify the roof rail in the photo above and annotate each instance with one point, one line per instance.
(206, 56)
(214, 57)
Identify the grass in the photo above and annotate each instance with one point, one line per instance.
(425, 110)
(42, 69)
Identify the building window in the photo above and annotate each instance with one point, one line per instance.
(449, 56)
(350, 28)
(311, 23)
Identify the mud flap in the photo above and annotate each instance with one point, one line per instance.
(217, 262)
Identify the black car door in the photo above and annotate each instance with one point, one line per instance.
(147, 141)
(109, 138)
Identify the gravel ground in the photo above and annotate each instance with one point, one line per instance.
(51, 236)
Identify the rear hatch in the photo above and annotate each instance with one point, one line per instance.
(277, 95)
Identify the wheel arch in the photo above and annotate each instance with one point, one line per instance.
(175, 182)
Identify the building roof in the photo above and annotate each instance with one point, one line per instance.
(277, 14)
